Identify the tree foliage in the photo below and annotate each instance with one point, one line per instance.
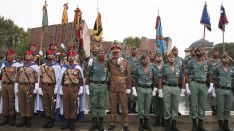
(132, 41)
(229, 48)
(12, 36)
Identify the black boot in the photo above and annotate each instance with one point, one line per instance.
(134, 108)
(100, 124)
(168, 125)
(28, 122)
(200, 125)
(94, 124)
(174, 128)
(66, 124)
(226, 127)
(157, 121)
(72, 125)
(51, 123)
(129, 107)
(111, 127)
(221, 125)
(162, 122)
(125, 128)
(22, 122)
(118, 109)
(5, 120)
(214, 110)
(151, 109)
(194, 125)
(12, 120)
(146, 124)
(141, 126)
(46, 122)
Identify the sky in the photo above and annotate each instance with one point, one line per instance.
(122, 18)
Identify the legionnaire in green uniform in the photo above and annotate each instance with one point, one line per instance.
(170, 77)
(196, 74)
(223, 79)
(213, 63)
(157, 101)
(151, 58)
(134, 62)
(144, 79)
(98, 77)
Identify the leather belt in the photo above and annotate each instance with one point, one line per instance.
(118, 77)
(99, 82)
(8, 83)
(26, 83)
(70, 85)
(201, 82)
(48, 84)
(224, 87)
(172, 85)
(144, 86)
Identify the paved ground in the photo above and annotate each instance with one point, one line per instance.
(184, 123)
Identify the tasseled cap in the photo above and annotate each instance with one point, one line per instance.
(28, 52)
(71, 53)
(33, 44)
(115, 48)
(50, 52)
(10, 52)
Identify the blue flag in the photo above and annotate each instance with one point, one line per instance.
(160, 43)
(205, 19)
(223, 19)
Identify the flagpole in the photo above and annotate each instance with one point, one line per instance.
(223, 39)
(204, 36)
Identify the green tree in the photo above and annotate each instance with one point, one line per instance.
(12, 36)
(132, 41)
(229, 48)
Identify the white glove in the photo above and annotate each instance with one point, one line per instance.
(187, 89)
(81, 90)
(182, 92)
(41, 53)
(61, 92)
(210, 88)
(62, 46)
(87, 89)
(154, 91)
(160, 94)
(90, 62)
(213, 93)
(0, 85)
(16, 88)
(134, 92)
(35, 91)
(128, 91)
(40, 91)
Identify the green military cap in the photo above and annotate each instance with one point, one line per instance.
(143, 56)
(170, 54)
(100, 50)
(133, 48)
(174, 48)
(158, 54)
(224, 55)
(198, 49)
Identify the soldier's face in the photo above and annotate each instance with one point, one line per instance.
(116, 55)
(101, 55)
(53, 47)
(158, 58)
(144, 61)
(151, 56)
(50, 57)
(225, 60)
(175, 52)
(133, 52)
(215, 53)
(171, 58)
(32, 48)
(28, 57)
(71, 58)
(199, 54)
(10, 57)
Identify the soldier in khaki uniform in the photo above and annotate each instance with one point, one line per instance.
(50, 72)
(8, 74)
(71, 80)
(27, 77)
(120, 84)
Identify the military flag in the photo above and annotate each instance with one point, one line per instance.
(78, 22)
(205, 19)
(65, 15)
(160, 43)
(223, 19)
(45, 15)
(97, 31)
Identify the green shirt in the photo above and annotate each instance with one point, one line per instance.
(213, 64)
(143, 78)
(133, 64)
(171, 76)
(196, 71)
(222, 77)
(98, 71)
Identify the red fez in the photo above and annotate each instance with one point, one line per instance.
(50, 52)
(53, 44)
(33, 44)
(115, 48)
(28, 53)
(10, 52)
(71, 53)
